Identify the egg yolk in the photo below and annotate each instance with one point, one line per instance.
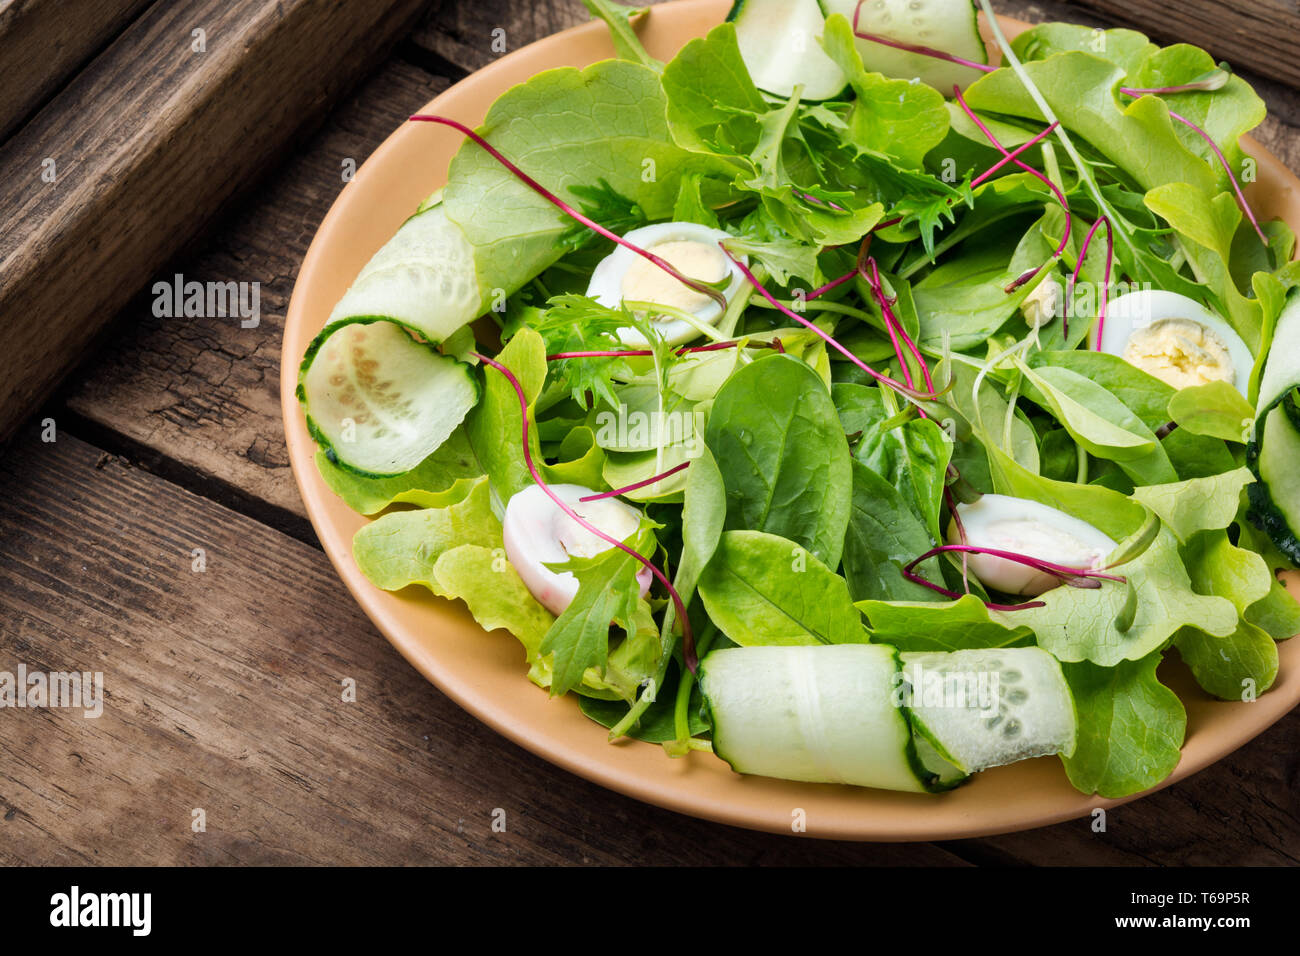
(646, 282)
(1181, 353)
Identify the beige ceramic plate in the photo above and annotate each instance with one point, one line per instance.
(484, 673)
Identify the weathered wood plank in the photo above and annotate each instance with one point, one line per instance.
(223, 693)
(38, 52)
(203, 390)
(144, 147)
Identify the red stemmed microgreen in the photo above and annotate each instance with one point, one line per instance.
(1042, 177)
(705, 288)
(640, 484)
(1223, 160)
(688, 642)
(1105, 287)
(1073, 577)
(900, 387)
(635, 353)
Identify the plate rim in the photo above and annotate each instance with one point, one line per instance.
(382, 607)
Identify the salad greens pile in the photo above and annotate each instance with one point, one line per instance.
(927, 281)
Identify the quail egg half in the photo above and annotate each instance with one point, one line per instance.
(624, 276)
(1175, 339)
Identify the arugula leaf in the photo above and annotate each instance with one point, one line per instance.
(608, 594)
(762, 589)
(619, 20)
(605, 205)
(1131, 727)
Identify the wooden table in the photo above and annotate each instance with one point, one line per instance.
(159, 538)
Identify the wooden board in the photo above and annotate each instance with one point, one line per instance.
(38, 52)
(142, 149)
(404, 776)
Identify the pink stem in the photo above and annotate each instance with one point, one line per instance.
(688, 641)
(701, 287)
(1223, 161)
(1060, 197)
(830, 340)
(955, 595)
(634, 353)
(1105, 289)
(1038, 564)
(1011, 156)
(640, 484)
(913, 48)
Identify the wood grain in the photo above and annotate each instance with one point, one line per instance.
(224, 693)
(202, 393)
(146, 145)
(38, 52)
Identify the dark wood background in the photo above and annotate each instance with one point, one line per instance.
(225, 684)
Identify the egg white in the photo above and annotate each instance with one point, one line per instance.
(1007, 523)
(1135, 311)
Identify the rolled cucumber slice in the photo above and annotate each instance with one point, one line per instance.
(948, 25)
(378, 401)
(424, 278)
(1273, 453)
(778, 41)
(822, 714)
(985, 708)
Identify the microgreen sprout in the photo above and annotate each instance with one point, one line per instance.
(1105, 286)
(1042, 177)
(1086, 578)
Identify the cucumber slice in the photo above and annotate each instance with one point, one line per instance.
(424, 278)
(378, 401)
(822, 714)
(779, 43)
(1273, 453)
(1274, 457)
(984, 708)
(948, 25)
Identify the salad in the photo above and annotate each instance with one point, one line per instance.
(841, 403)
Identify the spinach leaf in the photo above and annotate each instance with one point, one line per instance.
(884, 534)
(913, 457)
(951, 626)
(1217, 410)
(762, 589)
(783, 456)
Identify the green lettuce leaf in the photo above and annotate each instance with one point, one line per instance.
(1131, 727)
(1199, 504)
(443, 478)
